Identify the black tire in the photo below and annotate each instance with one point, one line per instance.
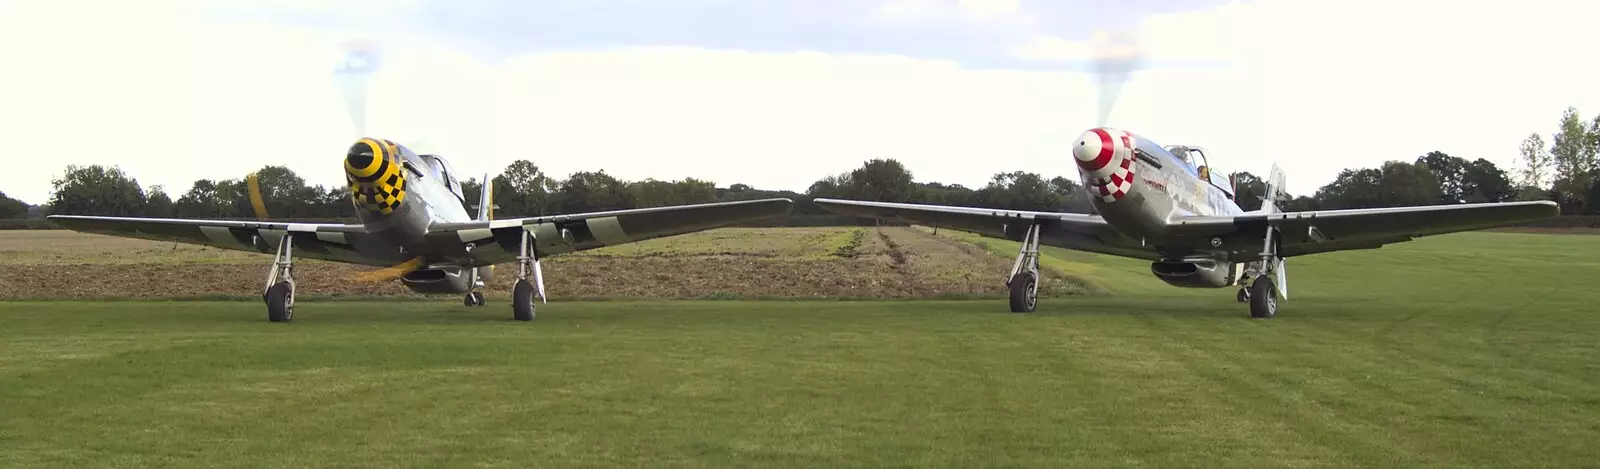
(1244, 295)
(278, 307)
(473, 299)
(522, 301)
(1263, 298)
(1023, 297)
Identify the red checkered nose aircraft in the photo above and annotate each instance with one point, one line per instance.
(1166, 205)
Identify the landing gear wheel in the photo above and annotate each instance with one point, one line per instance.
(522, 301)
(1244, 295)
(1024, 297)
(474, 299)
(280, 304)
(1263, 298)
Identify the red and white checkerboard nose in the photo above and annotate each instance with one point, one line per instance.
(1106, 157)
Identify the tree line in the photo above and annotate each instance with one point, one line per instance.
(1565, 170)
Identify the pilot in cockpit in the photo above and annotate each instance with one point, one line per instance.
(1183, 155)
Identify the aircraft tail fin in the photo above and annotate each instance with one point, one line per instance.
(486, 200)
(1275, 188)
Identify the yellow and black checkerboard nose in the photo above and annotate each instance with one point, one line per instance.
(372, 168)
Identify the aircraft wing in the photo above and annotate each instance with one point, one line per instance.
(1338, 230)
(496, 241)
(1069, 230)
(328, 241)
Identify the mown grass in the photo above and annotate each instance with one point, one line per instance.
(1470, 350)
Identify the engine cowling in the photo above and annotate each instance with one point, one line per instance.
(431, 281)
(1192, 273)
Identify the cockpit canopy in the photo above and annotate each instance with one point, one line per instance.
(442, 170)
(1196, 158)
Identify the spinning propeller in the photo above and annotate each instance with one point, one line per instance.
(360, 60)
(1116, 55)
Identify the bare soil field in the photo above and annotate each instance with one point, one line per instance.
(843, 262)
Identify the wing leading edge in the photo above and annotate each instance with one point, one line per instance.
(496, 241)
(328, 241)
(1338, 230)
(1068, 230)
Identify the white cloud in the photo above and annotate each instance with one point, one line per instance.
(990, 7)
(1316, 85)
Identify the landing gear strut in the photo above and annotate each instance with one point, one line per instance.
(522, 291)
(279, 293)
(475, 285)
(1024, 278)
(1262, 292)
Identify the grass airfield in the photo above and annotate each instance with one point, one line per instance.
(1466, 350)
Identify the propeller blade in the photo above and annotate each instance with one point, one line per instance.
(391, 272)
(538, 280)
(255, 196)
(359, 61)
(1116, 56)
(1283, 279)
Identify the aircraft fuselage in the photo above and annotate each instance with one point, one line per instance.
(1140, 187)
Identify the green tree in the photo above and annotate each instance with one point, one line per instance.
(1484, 182)
(525, 190)
(1072, 196)
(1451, 173)
(696, 191)
(1352, 188)
(1573, 156)
(1251, 190)
(1301, 204)
(941, 194)
(207, 199)
(333, 202)
(1019, 190)
(96, 190)
(585, 191)
(283, 193)
(838, 186)
(657, 193)
(472, 190)
(12, 208)
(1536, 162)
(157, 204)
(1408, 184)
(884, 180)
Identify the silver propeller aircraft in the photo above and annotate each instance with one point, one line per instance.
(1164, 205)
(414, 219)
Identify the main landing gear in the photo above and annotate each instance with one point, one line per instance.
(1024, 279)
(279, 293)
(1257, 287)
(522, 291)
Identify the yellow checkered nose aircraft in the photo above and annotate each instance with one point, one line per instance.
(414, 222)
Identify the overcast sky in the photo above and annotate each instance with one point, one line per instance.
(776, 94)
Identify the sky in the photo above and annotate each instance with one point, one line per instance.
(776, 94)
